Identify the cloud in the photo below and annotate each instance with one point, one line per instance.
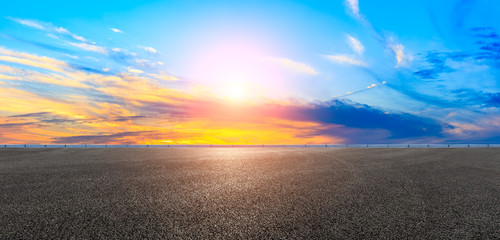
(293, 65)
(106, 113)
(6, 77)
(437, 62)
(66, 32)
(51, 47)
(361, 90)
(132, 70)
(14, 125)
(353, 7)
(74, 100)
(31, 60)
(353, 115)
(122, 56)
(103, 71)
(337, 119)
(484, 129)
(403, 58)
(468, 97)
(116, 30)
(122, 137)
(148, 49)
(163, 77)
(29, 23)
(357, 47)
(49, 27)
(371, 86)
(345, 59)
(47, 117)
(355, 44)
(488, 43)
(89, 47)
(33, 77)
(36, 114)
(61, 34)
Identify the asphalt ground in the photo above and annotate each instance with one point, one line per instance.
(250, 193)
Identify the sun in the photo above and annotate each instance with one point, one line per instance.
(235, 93)
(236, 69)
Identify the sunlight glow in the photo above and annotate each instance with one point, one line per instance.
(235, 67)
(235, 92)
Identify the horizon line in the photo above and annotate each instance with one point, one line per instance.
(401, 145)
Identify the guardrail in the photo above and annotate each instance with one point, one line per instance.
(252, 146)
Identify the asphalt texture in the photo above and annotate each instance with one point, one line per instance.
(250, 193)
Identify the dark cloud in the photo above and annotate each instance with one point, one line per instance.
(433, 73)
(47, 117)
(127, 118)
(474, 97)
(490, 35)
(37, 114)
(493, 99)
(484, 32)
(360, 116)
(12, 125)
(437, 64)
(98, 139)
(60, 121)
(489, 48)
(489, 43)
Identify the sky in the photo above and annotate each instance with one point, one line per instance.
(249, 72)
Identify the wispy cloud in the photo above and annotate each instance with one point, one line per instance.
(89, 47)
(346, 59)
(402, 55)
(28, 22)
(51, 28)
(124, 57)
(66, 32)
(357, 47)
(148, 49)
(353, 7)
(57, 79)
(31, 60)
(133, 70)
(6, 77)
(294, 66)
(361, 90)
(403, 58)
(116, 30)
(355, 44)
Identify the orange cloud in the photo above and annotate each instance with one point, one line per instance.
(127, 108)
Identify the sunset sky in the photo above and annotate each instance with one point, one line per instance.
(249, 72)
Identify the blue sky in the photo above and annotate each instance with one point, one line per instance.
(321, 71)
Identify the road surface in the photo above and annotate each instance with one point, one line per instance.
(242, 193)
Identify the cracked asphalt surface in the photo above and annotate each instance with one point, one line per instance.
(250, 193)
